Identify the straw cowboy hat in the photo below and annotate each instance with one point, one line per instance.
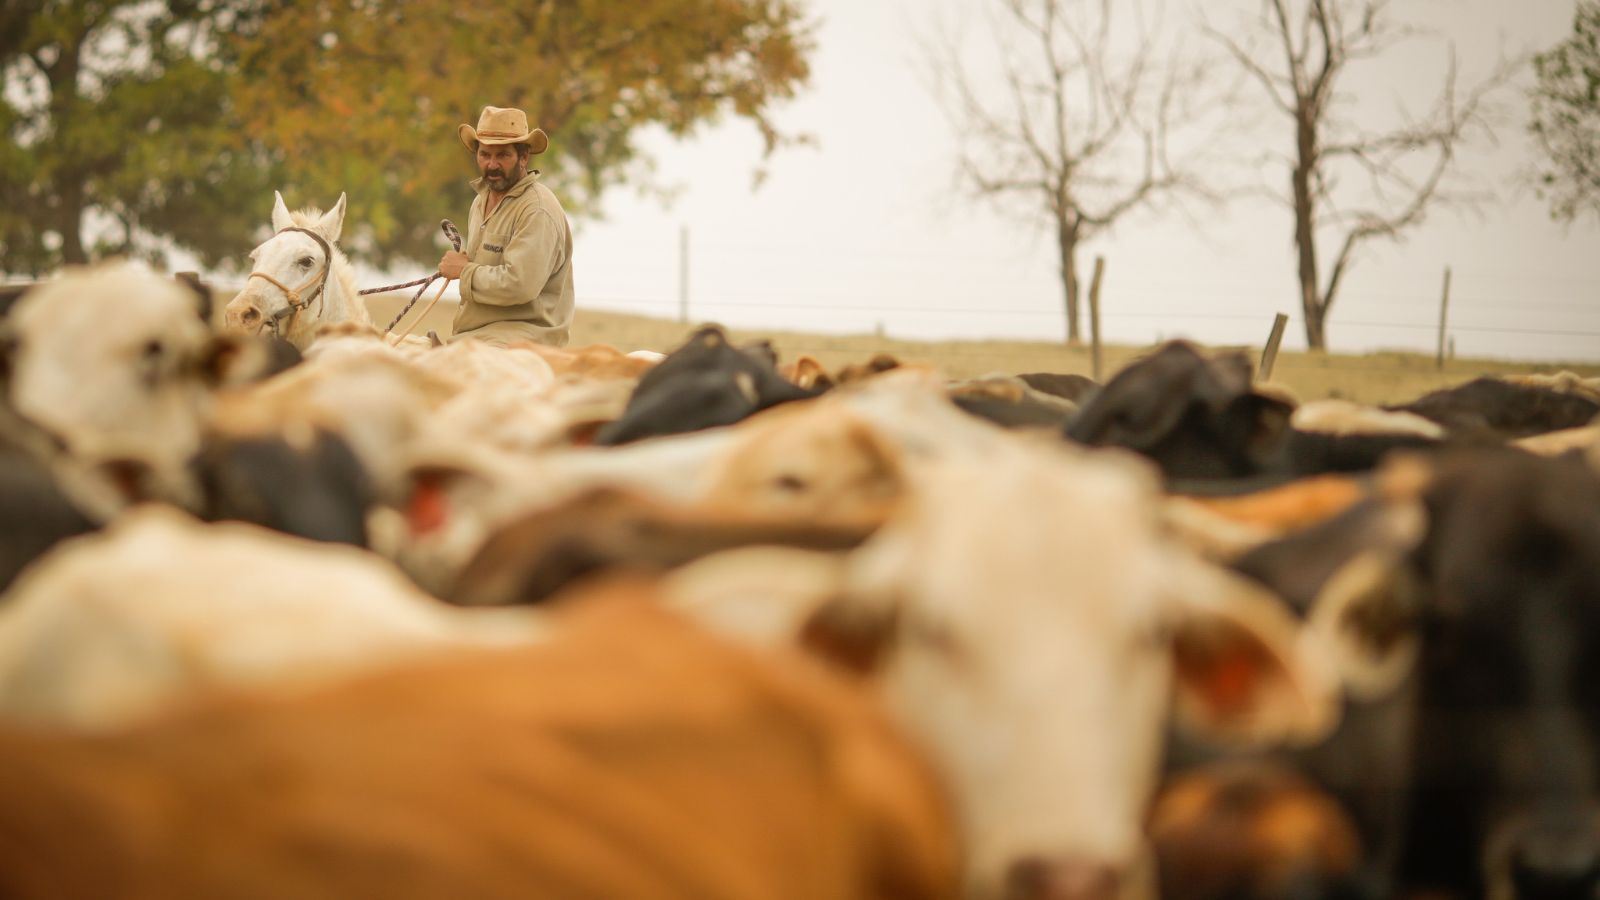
(503, 126)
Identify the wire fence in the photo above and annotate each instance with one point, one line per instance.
(870, 286)
(668, 307)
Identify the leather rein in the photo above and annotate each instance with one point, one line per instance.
(296, 304)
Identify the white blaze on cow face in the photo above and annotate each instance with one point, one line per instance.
(107, 360)
(1027, 612)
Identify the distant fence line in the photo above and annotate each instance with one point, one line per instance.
(667, 305)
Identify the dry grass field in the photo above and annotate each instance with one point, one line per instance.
(1368, 378)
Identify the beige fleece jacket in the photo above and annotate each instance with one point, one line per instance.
(520, 269)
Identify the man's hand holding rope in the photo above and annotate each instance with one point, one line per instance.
(452, 264)
(440, 276)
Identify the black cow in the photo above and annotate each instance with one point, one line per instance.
(1507, 771)
(321, 492)
(1352, 570)
(1200, 419)
(1490, 407)
(705, 383)
(1479, 773)
(35, 514)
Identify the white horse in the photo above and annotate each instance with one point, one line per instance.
(299, 278)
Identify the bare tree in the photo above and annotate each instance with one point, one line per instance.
(1074, 119)
(1297, 50)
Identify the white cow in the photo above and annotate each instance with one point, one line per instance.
(1027, 618)
(113, 626)
(110, 361)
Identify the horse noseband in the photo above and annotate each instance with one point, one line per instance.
(293, 294)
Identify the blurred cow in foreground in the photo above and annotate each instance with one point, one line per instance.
(1400, 639)
(635, 757)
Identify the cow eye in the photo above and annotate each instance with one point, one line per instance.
(152, 350)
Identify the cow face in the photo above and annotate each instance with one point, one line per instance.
(107, 360)
(1509, 744)
(813, 461)
(1036, 663)
(1195, 417)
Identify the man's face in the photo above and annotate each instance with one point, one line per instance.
(500, 166)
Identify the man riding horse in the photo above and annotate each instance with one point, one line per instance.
(516, 273)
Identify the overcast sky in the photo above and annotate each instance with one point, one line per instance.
(864, 229)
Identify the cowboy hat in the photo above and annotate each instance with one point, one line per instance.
(503, 126)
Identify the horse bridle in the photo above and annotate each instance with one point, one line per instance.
(293, 294)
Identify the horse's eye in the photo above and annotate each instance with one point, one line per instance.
(305, 262)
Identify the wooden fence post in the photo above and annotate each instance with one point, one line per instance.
(683, 274)
(1269, 354)
(1095, 360)
(1444, 309)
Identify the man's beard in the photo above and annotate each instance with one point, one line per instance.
(505, 179)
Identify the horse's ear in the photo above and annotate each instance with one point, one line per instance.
(332, 222)
(280, 213)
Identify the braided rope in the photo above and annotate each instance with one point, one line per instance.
(449, 229)
(395, 287)
(418, 321)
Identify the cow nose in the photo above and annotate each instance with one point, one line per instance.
(1550, 863)
(1039, 878)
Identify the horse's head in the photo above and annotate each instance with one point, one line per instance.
(290, 275)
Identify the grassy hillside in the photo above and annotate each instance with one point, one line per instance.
(1369, 378)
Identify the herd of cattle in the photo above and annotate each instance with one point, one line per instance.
(354, 619)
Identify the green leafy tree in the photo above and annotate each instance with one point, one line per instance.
(364, 97)
(1566, 118)
(119, 133)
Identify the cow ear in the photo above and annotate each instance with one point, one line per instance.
(1261, 424)
(806, 372)
(1241, 674)
(852, 632)
(280, 213)
(1365, 618)
(332, 222)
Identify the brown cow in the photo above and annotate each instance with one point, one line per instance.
(1252, 830)
(636, 756)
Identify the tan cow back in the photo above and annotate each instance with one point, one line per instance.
(636, 757)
